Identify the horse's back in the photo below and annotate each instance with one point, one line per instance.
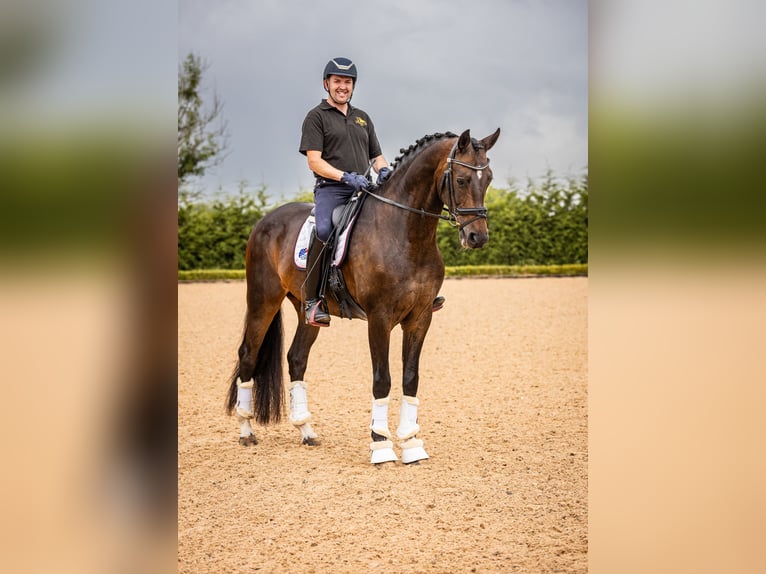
(284, 218)
(279, 227)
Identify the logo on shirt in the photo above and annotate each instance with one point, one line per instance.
(361, 122)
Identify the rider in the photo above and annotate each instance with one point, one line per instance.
(339, 143)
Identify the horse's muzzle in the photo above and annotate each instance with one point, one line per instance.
(473, 239)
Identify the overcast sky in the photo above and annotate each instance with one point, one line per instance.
(424, 66)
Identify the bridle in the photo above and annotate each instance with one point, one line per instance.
(452, 210)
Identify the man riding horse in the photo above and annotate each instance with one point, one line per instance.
(392, 271)
(339, 143)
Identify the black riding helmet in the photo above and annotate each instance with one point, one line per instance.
(340, 67)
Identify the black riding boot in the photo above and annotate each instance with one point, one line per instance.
(315, 313)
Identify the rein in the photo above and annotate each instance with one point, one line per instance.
(407, 207)
(452, 209)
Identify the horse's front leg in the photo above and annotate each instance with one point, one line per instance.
(413, 335)
(381, 447)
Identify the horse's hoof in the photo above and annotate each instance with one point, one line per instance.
(413, 451)
(248, 440)
(382, 451)
(413, 463)
(310, 441)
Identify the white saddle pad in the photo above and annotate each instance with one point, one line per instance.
(302, 244)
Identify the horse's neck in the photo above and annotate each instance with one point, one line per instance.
(418, 185)
(410, 231)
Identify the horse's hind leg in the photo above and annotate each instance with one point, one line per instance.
(242, 384)
(297, 360)
(256, 389)
(256, 386)
(244, 413)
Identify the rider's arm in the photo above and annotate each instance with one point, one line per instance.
(379, 163)
(320, 167)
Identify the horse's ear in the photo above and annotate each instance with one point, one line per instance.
(490, 140)
(464, 141)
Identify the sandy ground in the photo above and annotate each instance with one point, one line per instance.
(503, 416)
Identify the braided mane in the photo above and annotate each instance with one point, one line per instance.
(414, 149)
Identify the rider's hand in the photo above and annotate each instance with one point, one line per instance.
(356, 181)
(383, 174)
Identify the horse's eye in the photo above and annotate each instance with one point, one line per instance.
(461, 181)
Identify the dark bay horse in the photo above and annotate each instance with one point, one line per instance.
(393, 270)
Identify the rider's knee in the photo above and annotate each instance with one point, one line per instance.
(323, 231)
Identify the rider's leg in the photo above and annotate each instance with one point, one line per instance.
(315, 313)
(326, 198)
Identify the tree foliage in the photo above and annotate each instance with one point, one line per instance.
(201, 130)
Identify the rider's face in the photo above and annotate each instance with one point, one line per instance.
(340, 88)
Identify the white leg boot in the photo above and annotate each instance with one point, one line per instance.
(381, 451)
(245, 412)
(299, 412)
(412, 448)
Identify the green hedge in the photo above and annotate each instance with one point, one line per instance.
(458, 271)
(543, 223)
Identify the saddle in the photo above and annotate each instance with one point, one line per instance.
(332, 283)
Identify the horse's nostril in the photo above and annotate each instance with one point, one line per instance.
(475, 240)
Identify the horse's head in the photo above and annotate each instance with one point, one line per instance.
(464, 185)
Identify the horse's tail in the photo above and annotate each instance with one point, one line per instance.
(267, 373)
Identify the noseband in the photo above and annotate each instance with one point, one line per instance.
(452, 209)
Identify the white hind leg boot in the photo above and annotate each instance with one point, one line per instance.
(381, 451)
(245, 404)
(299, 411)
(412, 448)
(245, 410)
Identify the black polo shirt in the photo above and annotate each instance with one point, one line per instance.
(347, 142)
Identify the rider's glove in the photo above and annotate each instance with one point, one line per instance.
(356, 181)
(383, 174)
